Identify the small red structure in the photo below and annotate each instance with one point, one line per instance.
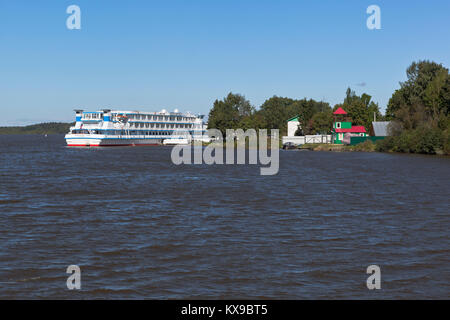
(343, 128)
(340, 111)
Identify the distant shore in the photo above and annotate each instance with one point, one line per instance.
(40, 128)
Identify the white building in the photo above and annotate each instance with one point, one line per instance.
(292, 126)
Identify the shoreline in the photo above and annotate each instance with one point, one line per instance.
(362, 147)
(358, 148)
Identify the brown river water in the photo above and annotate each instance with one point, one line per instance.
(139, 226)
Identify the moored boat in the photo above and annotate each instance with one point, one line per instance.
(135, 128)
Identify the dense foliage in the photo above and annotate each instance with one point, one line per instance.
(420, 111)
(316, 117)
(234, 111)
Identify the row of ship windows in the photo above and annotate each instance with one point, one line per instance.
(124, 132)
(152, 117)
(97, 116)
(157, 125)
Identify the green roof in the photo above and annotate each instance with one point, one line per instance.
(293, 119)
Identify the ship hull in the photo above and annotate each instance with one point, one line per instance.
(111, 142)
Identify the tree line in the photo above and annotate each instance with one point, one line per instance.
(41, 128)
(316, 117)
(420, 111)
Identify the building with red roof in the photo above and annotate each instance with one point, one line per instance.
(343, 128)
(340, 111)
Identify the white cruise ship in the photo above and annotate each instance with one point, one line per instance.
(134, 128)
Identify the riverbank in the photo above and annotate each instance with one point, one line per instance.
(367, 146)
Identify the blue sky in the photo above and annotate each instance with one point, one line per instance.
(150, 55)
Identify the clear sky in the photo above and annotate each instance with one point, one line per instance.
(150, 55)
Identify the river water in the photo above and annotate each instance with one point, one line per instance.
(139, 226)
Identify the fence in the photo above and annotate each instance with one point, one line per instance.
(357, 140)
(298, 140)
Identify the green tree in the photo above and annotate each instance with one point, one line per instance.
(276, 111)
(321, 123)
(427, 89)
(230, 112)
(420, 111)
